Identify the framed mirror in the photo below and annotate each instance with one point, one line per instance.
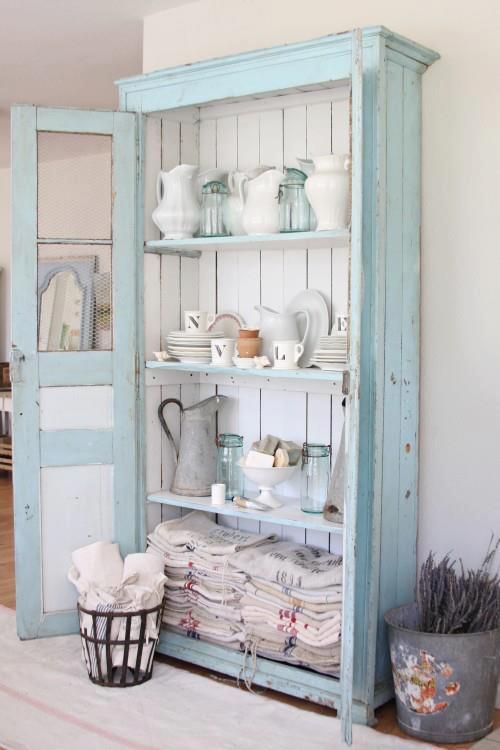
(66, 304)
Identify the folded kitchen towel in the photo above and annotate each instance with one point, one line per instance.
(196, 531)
(99, 563)
(145, 566)
(290, 564)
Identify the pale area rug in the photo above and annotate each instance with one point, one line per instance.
(48, 703)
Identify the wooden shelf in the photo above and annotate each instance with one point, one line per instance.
(309, 380)
(192, 247)
(288, 515)
(307, 373)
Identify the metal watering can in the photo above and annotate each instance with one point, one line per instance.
(196, 459)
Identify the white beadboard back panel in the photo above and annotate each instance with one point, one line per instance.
(87, 407)
(241, 135)
(71, 518)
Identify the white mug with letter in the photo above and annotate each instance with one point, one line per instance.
(286, 354)
(341, 324)
(223, 352)
(196, 321)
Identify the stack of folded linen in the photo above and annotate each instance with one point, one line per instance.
(202, 594)
(292, 603)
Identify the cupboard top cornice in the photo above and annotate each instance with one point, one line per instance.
(323, 60)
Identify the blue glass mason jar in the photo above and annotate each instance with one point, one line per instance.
(315, 477)
(230, 451)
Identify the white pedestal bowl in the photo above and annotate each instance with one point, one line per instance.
(266, 479)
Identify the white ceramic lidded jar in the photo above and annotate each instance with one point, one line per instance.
(328, 191)
(178, 212)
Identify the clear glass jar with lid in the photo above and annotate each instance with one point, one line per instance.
(315, 477)
(229, 453)
(295, 211)
(213, 200)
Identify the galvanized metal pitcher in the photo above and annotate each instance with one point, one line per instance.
(196, 459)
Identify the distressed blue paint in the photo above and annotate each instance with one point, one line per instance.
(270, 674)
(284, 677)
(127, 509)
(59, 623)
(366, 535)
(76, 447)
(410, 339)
(140, 334)
(388, 285)
(311, 240)
(26, 412)
(297, 518)
(371, 405)
(309, 373)
(74, 121)
(393, 328)
(352, 406)
(75, 368)
(33, 449)
(320, 60)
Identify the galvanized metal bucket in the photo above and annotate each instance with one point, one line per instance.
(445, 684)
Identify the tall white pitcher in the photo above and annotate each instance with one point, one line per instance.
(178, 212)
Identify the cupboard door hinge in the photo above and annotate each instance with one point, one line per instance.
(346, 382)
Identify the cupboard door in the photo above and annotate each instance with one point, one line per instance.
(352, 402)
(74, 362)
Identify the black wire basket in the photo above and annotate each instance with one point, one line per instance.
(116, 647)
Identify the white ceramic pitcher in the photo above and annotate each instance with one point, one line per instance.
(275, 326)
(261, 212)
(328, 191)
(178, 212)
(235, 202)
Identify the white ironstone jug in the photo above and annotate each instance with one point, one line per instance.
(178, 212)
(328, 191)
(261, 212)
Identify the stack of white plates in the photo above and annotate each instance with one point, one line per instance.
(191, 347)
(331, 353)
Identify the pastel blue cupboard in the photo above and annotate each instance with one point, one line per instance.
(90, 457)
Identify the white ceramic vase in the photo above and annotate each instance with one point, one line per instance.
(178, 212)
(328, 191)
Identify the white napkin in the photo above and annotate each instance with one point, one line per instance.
(145, 565)
(100, 563)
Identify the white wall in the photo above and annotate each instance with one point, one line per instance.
(460, 405)
(5, 264)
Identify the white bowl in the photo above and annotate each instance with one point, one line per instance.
(244, 363)
(266, 479)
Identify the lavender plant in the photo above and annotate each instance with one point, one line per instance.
(463, 602)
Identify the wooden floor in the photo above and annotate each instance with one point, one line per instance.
(7, 579)
(386, 716)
